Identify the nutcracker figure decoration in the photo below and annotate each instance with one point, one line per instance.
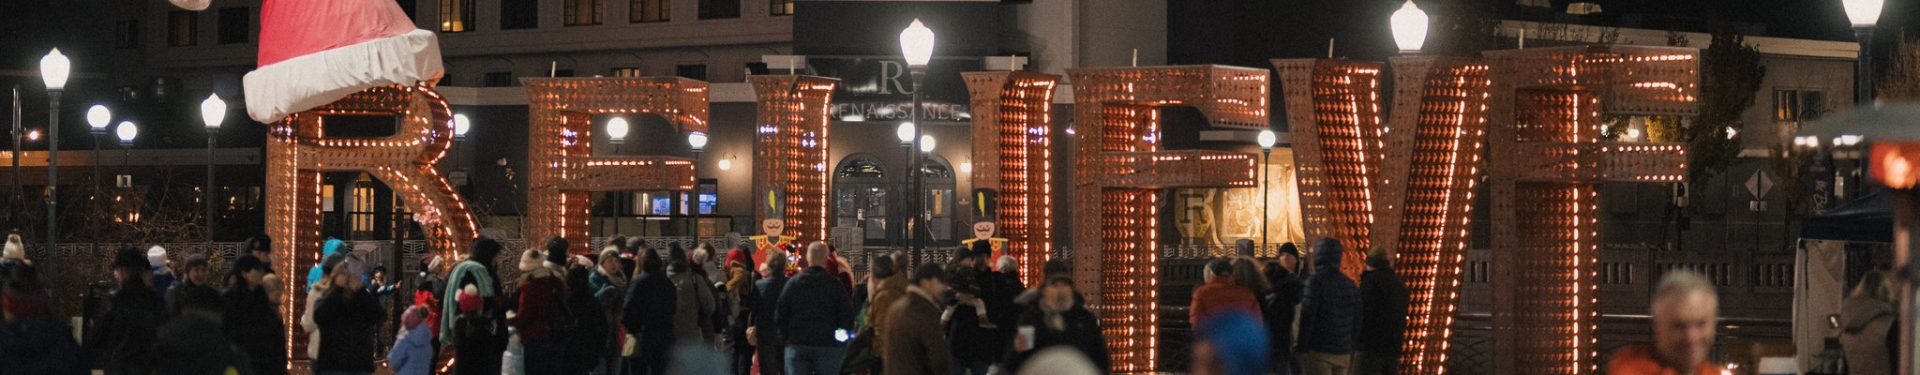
(771, 241)
(984, 225)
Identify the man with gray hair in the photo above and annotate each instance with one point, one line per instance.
(1685, 310)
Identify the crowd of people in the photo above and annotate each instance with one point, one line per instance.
(631, 309)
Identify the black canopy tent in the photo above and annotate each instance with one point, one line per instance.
(1868, 219)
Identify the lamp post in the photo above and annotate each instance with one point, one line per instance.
(1266, 139)
(460, 126)
(98, 117)
(126, 131)
(921, 214)
(698, 141)
(1864, 14)
(916, 45)
(617, 129)
(53, 71)
(906, 135)
(213, 111)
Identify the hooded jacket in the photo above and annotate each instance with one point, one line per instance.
(314, 274)
(1330, 311)
(1383, 302)
(1280, 306)
(412, 354)
(1864, 323)
(540, 292)
(693, 304)
(349, 321)
(252, 322)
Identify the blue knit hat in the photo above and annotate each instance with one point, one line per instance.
(1240, 341)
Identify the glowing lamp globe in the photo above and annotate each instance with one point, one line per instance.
(926, 143)
(916, 43)
(1863, 13)
(213, 111)
(54, 68)
(904, 132)
(1267, 139)
(698, 140)
(460, 125)
(1409, 27)
(617, 129)
(97, 117)
(126, 131)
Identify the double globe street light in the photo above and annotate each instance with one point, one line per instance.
(916, 46)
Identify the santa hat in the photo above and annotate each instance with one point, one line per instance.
(470, 299)
(314, 52)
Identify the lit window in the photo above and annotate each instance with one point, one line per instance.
(626, 73)
(650, 10)
(456, 15)
(782, 7)
(583, 12)
(1791, 105)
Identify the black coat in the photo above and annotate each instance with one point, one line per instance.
(1330, 309)
(760, 316)
(39, 345)
(1082, 333)
(973, 342)
(1383, 321)
(587, 340)
(252, 323)
(812, 307)
(193, 344)
(1278, 307)
(349, 321)
(183, 294)
(648, 313)
(122, 341)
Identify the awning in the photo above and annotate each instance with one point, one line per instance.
(1868, 219)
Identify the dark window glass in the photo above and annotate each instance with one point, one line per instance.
(719, 9)
(626, 72)
(781, 7)
(519, 14)
(235, 25)
(563, 72)
(1790, 105)
(584, 12)
(695, 71)
(183, 28)
(650, 10)
(499, 79)
(456, 16)
(126, 34)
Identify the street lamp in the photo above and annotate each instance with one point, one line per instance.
(54, 69)
(460, 126)
(617, 132)
(698, 141)
(126, 131)
(1863, 14)
(98, 117)
(213, 111)
(1266, 139)
(1409, 27)
(916, 45)
(926, 144)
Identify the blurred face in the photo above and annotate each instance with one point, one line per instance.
(254, 276)
(199, 275)
(346, 281)
(1683, 328)
(1290, 262)
(1057, 297)
(936, 288)
(611, 265)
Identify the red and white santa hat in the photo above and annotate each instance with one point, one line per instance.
(314, 52)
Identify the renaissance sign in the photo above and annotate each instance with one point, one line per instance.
(881, 88)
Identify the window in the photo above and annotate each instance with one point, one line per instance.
(693, 71)
(649, 10)
(456, 16)
(718, 9)
(860, 193)
(782, 7)
(519, 14)
(181, 28)
(1794, 105)
(499, 79)
(583, 12)
(235, 24)
(126, 34)
(626, 73)
(563, 72)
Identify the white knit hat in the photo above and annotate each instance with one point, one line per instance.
(157, 256)
(14, 249)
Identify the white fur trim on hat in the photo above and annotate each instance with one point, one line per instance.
(156, 256)
(437, 261)
(531, 260)
(13, 249)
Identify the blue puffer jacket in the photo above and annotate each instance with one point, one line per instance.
(1330, 312)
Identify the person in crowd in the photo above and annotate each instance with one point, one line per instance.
(195, 287)
(32, 341)
(1383, 305)
(1029, 299)
(479, 335)
(327, 249)
(1329, 314)
(694, 300)
(649, 314)
(193, 341)
(814, 313)
(349, 319)
(380, 287)
(1685, 311)
(609, 283)
(542, 297)
(163, 275)
(122, 339)
(890, 283)
(1280, 305)
(765, 334)
(1059, 320)
(586, 339)
(1220, 294)
(913, 335)
(977, 336)
(741, 293)
(412, 354)
(1001, 308)
(1060, 360)
(1230, 343)
(261, 247)
(698, 257)
(252, 320)
(426, 294)
(1865, 317)
(1247, 274)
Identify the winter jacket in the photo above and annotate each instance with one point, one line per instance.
(349, 321)
(412, 352)
(537, 308)
(38, 345)
(693, 305)
(123, 338)
(772, 359)
(253, 323)
(184, 294)
(1638, 360)
(649, 310)
(914, 340)
(889, 292)
(1217, 296)
(1383, 306)
(1330, 310)
(1864, 322)
(193, 344)
(1280, 306)
(589, 338)
(332, 246)
(812, 307)
(1077, 328)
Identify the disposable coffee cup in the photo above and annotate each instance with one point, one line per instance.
(1026, 332)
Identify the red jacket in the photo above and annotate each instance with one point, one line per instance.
(1639, 360)
(1220, 295)
(537, 297)
(426, 301)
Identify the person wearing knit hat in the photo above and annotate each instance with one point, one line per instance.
(252, 318)
(412, 353)
(195, 289)
(14, 249)
(1231, 343)
(1383, 317)
(163, 276)
(125, 333)
(540, 293)
(348, 319)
